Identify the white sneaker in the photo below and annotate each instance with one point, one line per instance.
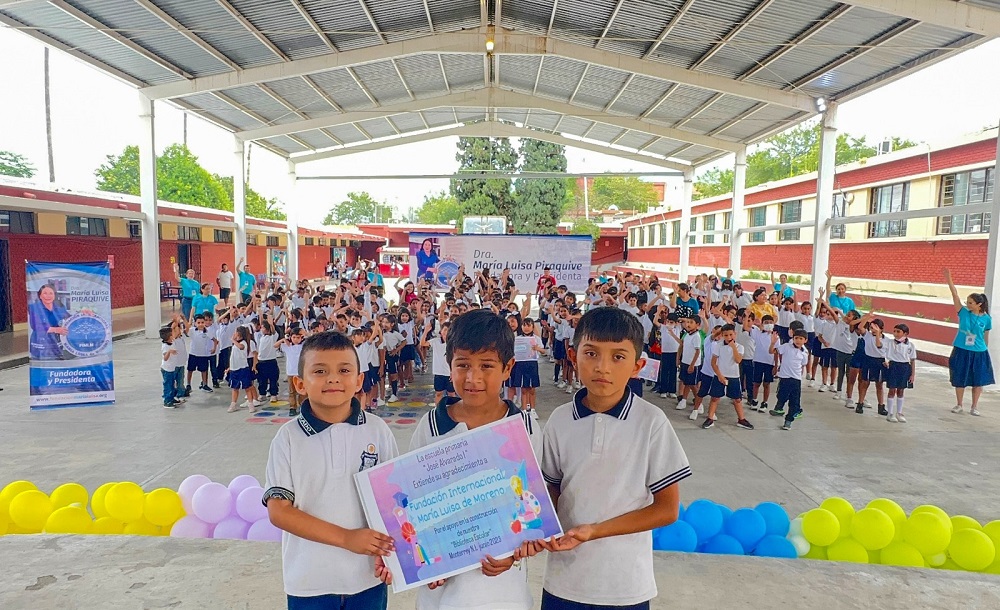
(569, 389)
(232, 408)
(663, 394)
(245, 404)
(822, 387)
(392, 398)
(868, 404)
(849, 403)
(836, 395)
(892, 418)
(379, 403)
(672, 395)
(694, 415)
(900, 418)
(974, 411)
(682, 405)
(956, 409)
(577, 384)
(812, 383)
(561, 385)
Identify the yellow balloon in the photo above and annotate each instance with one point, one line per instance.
(163, 507)
(951, 565)
(816, 552)
(930, 508)
(97, 506)
(961, 522)
(902, 554)
(820, 527)
(67, 494)
(4, 522)
(872, 528)
(844, 512)
(992, 529)
(69, 520)
(972, 549)
(927, 532)
(124, 502)
(994, 568)
(875, 557)
(847, 549)
(894, 511)
(108, 526)
(10, 491)
(30, 509)
(141, 528)
(936, 561)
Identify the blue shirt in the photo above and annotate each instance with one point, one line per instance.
(42, 344)
(425, 262)
(692, 303)
(203, 303)
(189, 288)
(844, 304)
(787, 292)
(247, 282)
(972, 330)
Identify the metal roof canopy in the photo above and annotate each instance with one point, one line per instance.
(677, 83)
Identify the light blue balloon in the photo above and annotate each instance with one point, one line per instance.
(775, 517)
(775, 546)
(678, 536)
(726, 512)
(705, 518)
(747, 527)
(724, 545)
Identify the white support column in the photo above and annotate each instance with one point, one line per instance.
(293, 226)
(824, 199)
(737, 213)
(992, 264)
(150, 234)
(240, 203)
(682, 273)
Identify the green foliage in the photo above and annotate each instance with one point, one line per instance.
(539, 202)
(792, 153)
(582, 226)
(13, 164)
(120, 173)
(439, 209)
(625, 192)
(257, 205)
(357, 208)
(181, 179)
(490, 196)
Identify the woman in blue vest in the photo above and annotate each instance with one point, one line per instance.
(969, 364)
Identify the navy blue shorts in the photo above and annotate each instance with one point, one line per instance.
(525, 375)
(873, 369)
(858, 357)
(733, 389)
(704, 384)
(763, 372)
(551, 602)
(688, 378)
(559, 350)
(442, 383)
(198, 363)
(373, 375)
(782, 333)
(408, 354)
(366, 383)
(897, 376)
(240, 379)
(375, 598)
(814, 345)
(828, 358)
(391, 364)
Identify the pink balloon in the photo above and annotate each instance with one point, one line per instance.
(237, 485)
(212, 502)
(231, 528)
(249, 506)
(187, 488)
(191, 527)
(264, 531)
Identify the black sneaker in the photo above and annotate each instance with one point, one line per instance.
(170, 405)
(860, 408)
(744, 424)
(762, 408)
(215, 384)
(799, 414)
(709, 422)
(777, 412)
(205, 388)
(787, 425)
(293, 412)
(883, 411)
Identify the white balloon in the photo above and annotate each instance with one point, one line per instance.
(795, 527)
(937, 560)
(801, 545)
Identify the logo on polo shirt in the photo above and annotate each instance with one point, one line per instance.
(369, 457)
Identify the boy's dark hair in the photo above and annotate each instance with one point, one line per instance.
(801, 333)
(610, 324)
(903, 327)
(166, 333)
(878, 322)
(796, 325)
(326, 341)
(198, 317)
(728, 327)
(672, 317)
(481, 330)
(767, 318)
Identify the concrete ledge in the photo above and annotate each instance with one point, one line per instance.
(137, 572)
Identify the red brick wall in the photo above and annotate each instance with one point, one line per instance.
(312, 261)
(710, 256)
(663, 256)
(126, 277)
(609, 250)
(917, 261)
(783, 258)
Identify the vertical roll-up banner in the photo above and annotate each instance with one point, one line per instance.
(69, 340)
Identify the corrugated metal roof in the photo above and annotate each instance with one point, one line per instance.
(423, 75)
(282, 25)
(221, 30)
(343, 22)
(342, 89)
(464, 71)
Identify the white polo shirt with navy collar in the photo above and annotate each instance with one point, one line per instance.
(474, 590)
(605, 465)
(312, 463)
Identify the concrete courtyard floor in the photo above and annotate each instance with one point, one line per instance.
(939, 458)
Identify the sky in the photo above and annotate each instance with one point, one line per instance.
(94, 115)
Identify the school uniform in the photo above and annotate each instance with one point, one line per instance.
(763, 360)
(844, 343)
(745, 339)
(873, 366)
(168, 370)
(808, 325)
(180, 344)
(240, 359)
(790, 379)
(707, 373)
(391, 341)
(473, 590)
(293, 352)
(969, 364)
(525, 372)
(826, 329)
(781, 325)
(667, 380)
(691, 343)
(729, 368)
(267, 365)
(605, 465)
(374, 364)
(202, 347)
(559, 347)
(440, 366)
(900, 356)
(409, 354)
(364, 363)
(224, 334)
(312, 464)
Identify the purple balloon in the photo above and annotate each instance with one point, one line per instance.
(212, 502)
(187, 488)
(231, 528)
(249, 506)
(237, 485)
(191, 527)
(264, 531)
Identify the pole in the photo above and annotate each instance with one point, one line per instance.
(682, 274)
(992, 265)
(150, 235)
(239, 202)
(824, 199)
(737, 213)
(291, 211)
(48, 119)
(586, 198)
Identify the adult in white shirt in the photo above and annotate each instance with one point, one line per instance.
(225, 281)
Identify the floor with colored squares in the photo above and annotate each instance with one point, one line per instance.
(413, 402)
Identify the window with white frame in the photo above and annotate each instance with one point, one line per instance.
(693, 227)
(839, 211)
(758, 218)
(708, 224)
(675, 236)
(966, 188)
(885, 200)
(663, 234)
(791, 211)
(727, 223)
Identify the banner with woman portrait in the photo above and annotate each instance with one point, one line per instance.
(69, 334)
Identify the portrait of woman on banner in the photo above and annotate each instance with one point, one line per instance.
(427, 260)
(46, 316)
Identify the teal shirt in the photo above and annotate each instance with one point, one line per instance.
(972, 330)
(203, 303)
(189, 288)
(247, 282)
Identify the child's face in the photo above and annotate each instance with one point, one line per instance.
(898, 334)
(355, 321)
(444, 333)
(512, 322)
(199, 324)
(774, 300)
(690, 325)
(728, 336)
(478, 376)
(799, 341)
(807, 309)
(528, 328)
(341, 324)
(330, 377)
(606, 366)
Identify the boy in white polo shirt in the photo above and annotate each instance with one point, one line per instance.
(790, 358)
(612, 463)
(727, 354)
(327, 550)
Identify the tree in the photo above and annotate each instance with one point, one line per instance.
(439, 209)
(792, 153)
(179, 178)
(484, 196)
(257, 205)
(120, 173)
(540, 202)
(358, 208)
(582, 226)
(13, 164)
(623, 192)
